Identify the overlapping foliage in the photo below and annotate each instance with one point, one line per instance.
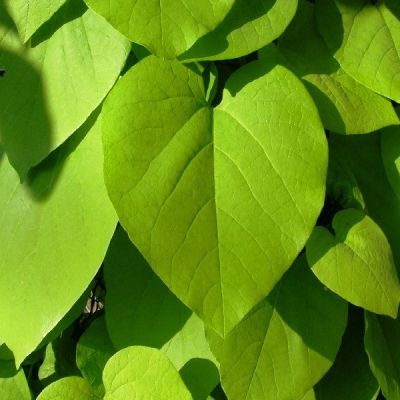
(200, 199)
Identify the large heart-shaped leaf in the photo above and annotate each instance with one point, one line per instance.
(56, 225)
(29, 15)
(219, 225)
(345, 105)
(356, 263)
(166, 28)
(365, 39)
(250, 25)
(54, 83)
(284, 346)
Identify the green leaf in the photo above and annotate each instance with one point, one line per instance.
(382, 346)
(345, 105)
(350, 377)
(71, 388)
(142, 373)
(390, 147)
(54, 83)
(365, 39)
(30, 15)
(356, 263)
(250, 25)
(92, 353)
(166, 28)
(363, 155)
(287, 343)
(219, 225)
(13, 384)
(46, 235)
(140, 310)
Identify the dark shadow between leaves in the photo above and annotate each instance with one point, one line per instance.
(215, 42)
(69, 11)
(25, 129)
(201, 376)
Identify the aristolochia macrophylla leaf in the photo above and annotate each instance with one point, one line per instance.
(55, 82)
(250, 25)
(365, 39)
(284, 346)
(345, 105)
(166, 28)
(29, 15)
(356, 263)
(54, 233)
(142, 373)
(219, 202)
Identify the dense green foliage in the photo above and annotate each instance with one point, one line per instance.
(199, 199)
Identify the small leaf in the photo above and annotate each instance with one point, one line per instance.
(219, 225)
(13, 384)
(54, 83)
(30, 15)
(382, 346)
(70, 388)
(92, 353)
(250, 25)
(166, 28)
(287, 343)
(357, 263)
(47, 230)
(365, 39)
(142, 373)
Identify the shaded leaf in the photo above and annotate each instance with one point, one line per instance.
(13, 383)
(166, 28)
(287, 343)
(53, 84)
(46, 234)
(29, 15)
(365, 39)
(250, 25)
(92, 353)
(381, 343)
(345, 105)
